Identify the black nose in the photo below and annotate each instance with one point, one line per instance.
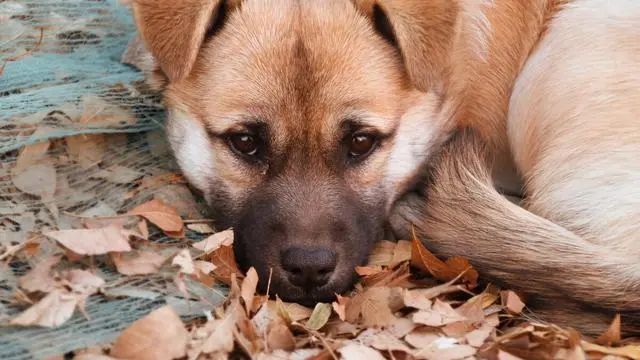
(307, 267)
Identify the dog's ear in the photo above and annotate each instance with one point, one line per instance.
(422, 30)
(174, 30)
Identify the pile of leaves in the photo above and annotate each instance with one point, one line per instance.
(409, 304)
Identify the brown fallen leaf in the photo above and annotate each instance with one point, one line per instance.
(440, 314)
(248, 289)
(401, 253)
(221, 339)
(137, 263)
(319, 316)
(340, 306)
(382, 340)
(382, 253)
(629, 351)
(30, 154)
(160, 214)
(446, 352)
(372, 307)
(215, 241)
(289, 312)
(92, 241)
(225, 261)
(87, 150)
(355, 351)
(612, 335)
(38, 180)
(52, 311)
(423, 259)
(511, 301)
(281, 338)
(159, 335)
(40, 278)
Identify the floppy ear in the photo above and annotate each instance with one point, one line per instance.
(422, 30)
(174, 30)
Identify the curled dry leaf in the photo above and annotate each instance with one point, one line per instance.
(161, 215)
(137, 263)
(424, 260)
(93, 241)
(281, 338)
(159, 335)
(215, 241)
(371, 307)
(440, 314)
(52, 311)
(201, 228)
(30, 154)
(87, 150)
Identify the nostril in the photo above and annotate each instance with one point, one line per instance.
(307, 266)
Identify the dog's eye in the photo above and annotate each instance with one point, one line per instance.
(244, 144)
(361, 145)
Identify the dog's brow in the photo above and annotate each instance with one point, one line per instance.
(370, 120)
(233, 123)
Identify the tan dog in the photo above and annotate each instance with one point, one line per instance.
(304, 121)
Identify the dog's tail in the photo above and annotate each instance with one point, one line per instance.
(465, 215)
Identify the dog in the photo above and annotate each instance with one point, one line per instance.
(309, 125)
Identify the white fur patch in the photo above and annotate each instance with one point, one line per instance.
(420, 130)
(478, 27)
(192, 148)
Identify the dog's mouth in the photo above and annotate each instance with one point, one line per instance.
(309, 295)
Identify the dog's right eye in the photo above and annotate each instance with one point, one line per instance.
(244, 144)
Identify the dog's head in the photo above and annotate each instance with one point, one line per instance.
(301, 121)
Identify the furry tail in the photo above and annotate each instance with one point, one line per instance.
(465, 215)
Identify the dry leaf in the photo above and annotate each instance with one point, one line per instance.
(225, 262)
(382, 340)
(82, 282)
(440, 314)
(382, 253)
(215, 241)
(221, 339)
(372, 307)
(87, 149)
(40, 277)
(160, 214)
(118, 174)
(92, 241)
(319, 316)
(630, 351)
(355, 351)
(52, 311)
(424, 260)
(401, 253)
(446, 352)
(422, 338)
(511, 301)
(289, 312)
(416, 299)
(30, 154)
(612, 335)
(138, 263)
(184, 261)
(340, 307)
(281, 338)
(248, 288)
(159, 335)
(38, 180)
(477, 337)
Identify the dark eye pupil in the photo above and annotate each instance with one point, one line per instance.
(361, 144)
(244, 143)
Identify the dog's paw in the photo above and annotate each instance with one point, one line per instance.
(406, 213)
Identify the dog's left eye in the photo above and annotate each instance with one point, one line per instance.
(244, 144)
(361, 145)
